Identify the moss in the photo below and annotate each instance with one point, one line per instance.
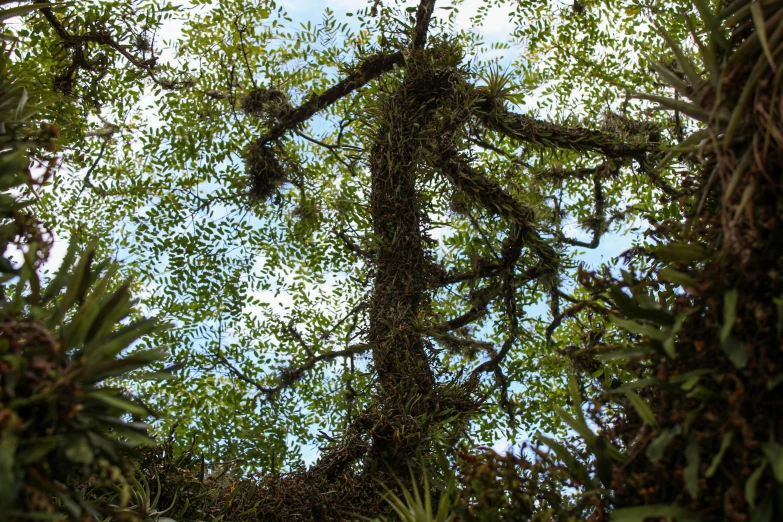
(268, 168)
(267, 103)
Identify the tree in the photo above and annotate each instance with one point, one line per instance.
(429, 339)
(317, 226)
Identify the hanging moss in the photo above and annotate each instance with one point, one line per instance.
(266, 103)
(268, 168)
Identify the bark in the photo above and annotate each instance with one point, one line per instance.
(401, 277)
(634, 142)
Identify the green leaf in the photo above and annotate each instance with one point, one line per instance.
(36, 449)
(701, 393)
(636, 385)
(761, 31)
(685, 253)
(657, 447)
(98, 371)
(116, 401)
(686, 65)
(729, 314)
(774, 453)
(112, 309)
(774, 382)
(724, 445)
(643, 513)
(625, 353)
(604, 454)
(691, 473)
(576, 396)
(8, 442)
(711, 22)
(735, 351)
(689, 379)
(572, 464)
(707, 53)
(668, 75)
(765, 510)
(676, 277)
(689, 109)
(642, 408)
(21, 10)
(638, 328)
(56, 284)
(75, 282)
(578, 426)
(78, 450)
(632, 310)
(752, 483)
(690, 144)
(75, 331)
(107, 348)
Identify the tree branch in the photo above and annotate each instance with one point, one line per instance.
(570, 312)
(492, 196)
(598, 224)
(484, 144)
(290, 375)
(512, 250)
(520, 127)
(423, 19)
(370, 68)
(511, 313)
(480, 300)
(353, 247)
(102, 37)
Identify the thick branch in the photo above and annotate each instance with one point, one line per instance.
(530, 130)
(101, 37)
(370, 68)
(423, 19)
(401, 277)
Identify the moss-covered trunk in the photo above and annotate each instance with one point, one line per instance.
(401, 269)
